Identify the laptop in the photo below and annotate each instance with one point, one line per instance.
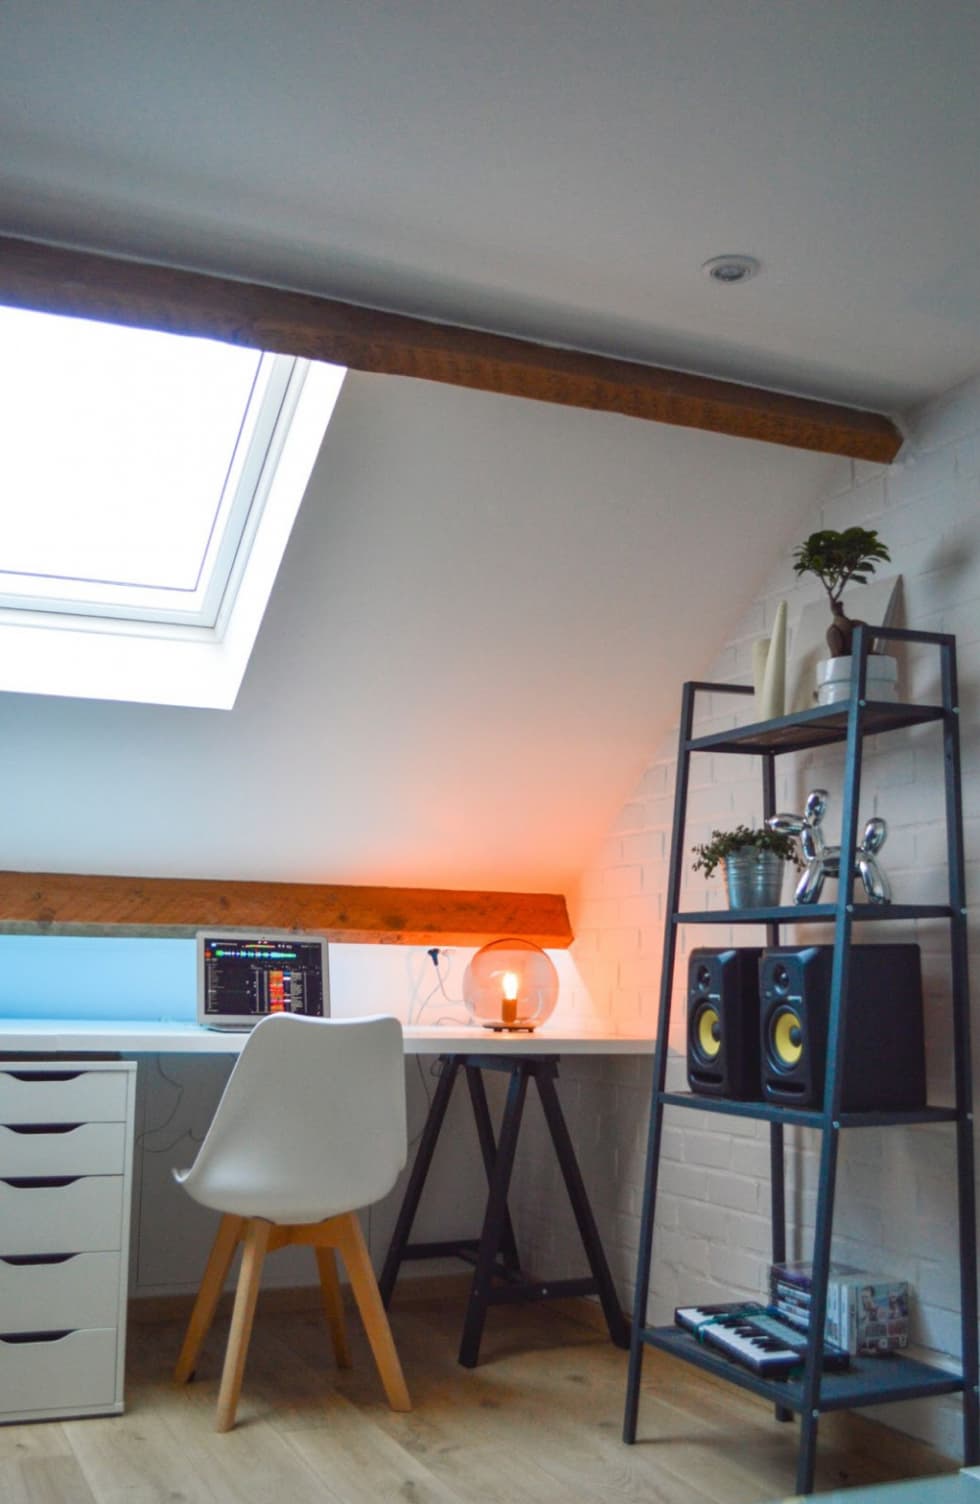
(245, 975)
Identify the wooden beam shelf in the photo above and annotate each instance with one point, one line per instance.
(72, 903)
(86, 284)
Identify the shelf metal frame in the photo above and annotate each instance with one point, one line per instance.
(809, 913)
(868, 1383)
(807, 1117)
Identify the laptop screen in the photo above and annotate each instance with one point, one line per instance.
(246, 975)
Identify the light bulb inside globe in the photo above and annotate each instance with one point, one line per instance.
(510, 984)
(510, 987)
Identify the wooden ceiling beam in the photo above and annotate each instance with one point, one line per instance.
(89, 285)
(70, 903)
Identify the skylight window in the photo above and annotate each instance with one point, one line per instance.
(123, 465)
(136, 473)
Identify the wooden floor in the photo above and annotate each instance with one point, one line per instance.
(539, 1421)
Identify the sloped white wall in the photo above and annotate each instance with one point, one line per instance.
(896, 1208)
(480, 621)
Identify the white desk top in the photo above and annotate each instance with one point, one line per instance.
(133, 1037)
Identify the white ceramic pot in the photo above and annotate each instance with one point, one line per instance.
(834, 679)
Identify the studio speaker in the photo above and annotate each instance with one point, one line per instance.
(884, 1048)
(723, 1022)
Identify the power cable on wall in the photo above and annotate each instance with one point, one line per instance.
(442, 962)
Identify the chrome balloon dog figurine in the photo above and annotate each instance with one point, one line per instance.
(823, 861)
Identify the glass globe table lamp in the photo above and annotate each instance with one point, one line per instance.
(510, 985)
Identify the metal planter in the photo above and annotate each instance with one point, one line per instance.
(755, 878)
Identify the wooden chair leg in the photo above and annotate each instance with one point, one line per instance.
(353, 1249)
(333, 1305)
(257, 1234)
(215, 1274)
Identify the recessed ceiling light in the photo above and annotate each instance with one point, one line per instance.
(729, 269)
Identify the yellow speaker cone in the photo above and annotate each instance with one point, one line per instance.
(787, 1038)
(709, 1033)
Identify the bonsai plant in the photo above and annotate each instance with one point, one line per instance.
(753, 860)
(837, 559)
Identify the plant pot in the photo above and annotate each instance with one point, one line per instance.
(834, 679)
(755, 879)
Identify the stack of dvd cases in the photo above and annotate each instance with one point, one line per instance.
(866, 1313)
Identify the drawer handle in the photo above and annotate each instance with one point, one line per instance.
(44, 1075)
(42, 1127)
(17, 1259)
(15, 1337)
(38, 1182)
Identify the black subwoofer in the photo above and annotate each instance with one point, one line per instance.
(884, 1048)
(723, 1022)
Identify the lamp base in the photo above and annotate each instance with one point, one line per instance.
(510, 1028)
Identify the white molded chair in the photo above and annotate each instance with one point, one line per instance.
(311, 1126)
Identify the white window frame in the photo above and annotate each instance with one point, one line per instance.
(276, 386)
(172, 660)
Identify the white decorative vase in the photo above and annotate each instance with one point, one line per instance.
(834, 679)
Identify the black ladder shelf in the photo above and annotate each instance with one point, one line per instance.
(867, 1381)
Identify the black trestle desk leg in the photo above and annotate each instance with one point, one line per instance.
(495, 1217)
(416, 1181)
(618, 1326)
(488, 1148)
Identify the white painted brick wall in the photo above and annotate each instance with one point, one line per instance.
(896, 1206)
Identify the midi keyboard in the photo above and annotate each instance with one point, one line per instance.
(748, 1333)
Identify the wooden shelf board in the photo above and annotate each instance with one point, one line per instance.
(72, 903)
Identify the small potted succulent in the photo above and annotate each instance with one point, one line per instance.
(754, 861)
(837, 560)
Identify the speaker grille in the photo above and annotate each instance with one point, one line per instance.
(706, 1033)
(785, 1038)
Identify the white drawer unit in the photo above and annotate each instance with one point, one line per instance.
(66, 1150)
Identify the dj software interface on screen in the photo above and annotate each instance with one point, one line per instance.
(260, 977)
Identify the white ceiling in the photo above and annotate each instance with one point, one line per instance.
(558, 169)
